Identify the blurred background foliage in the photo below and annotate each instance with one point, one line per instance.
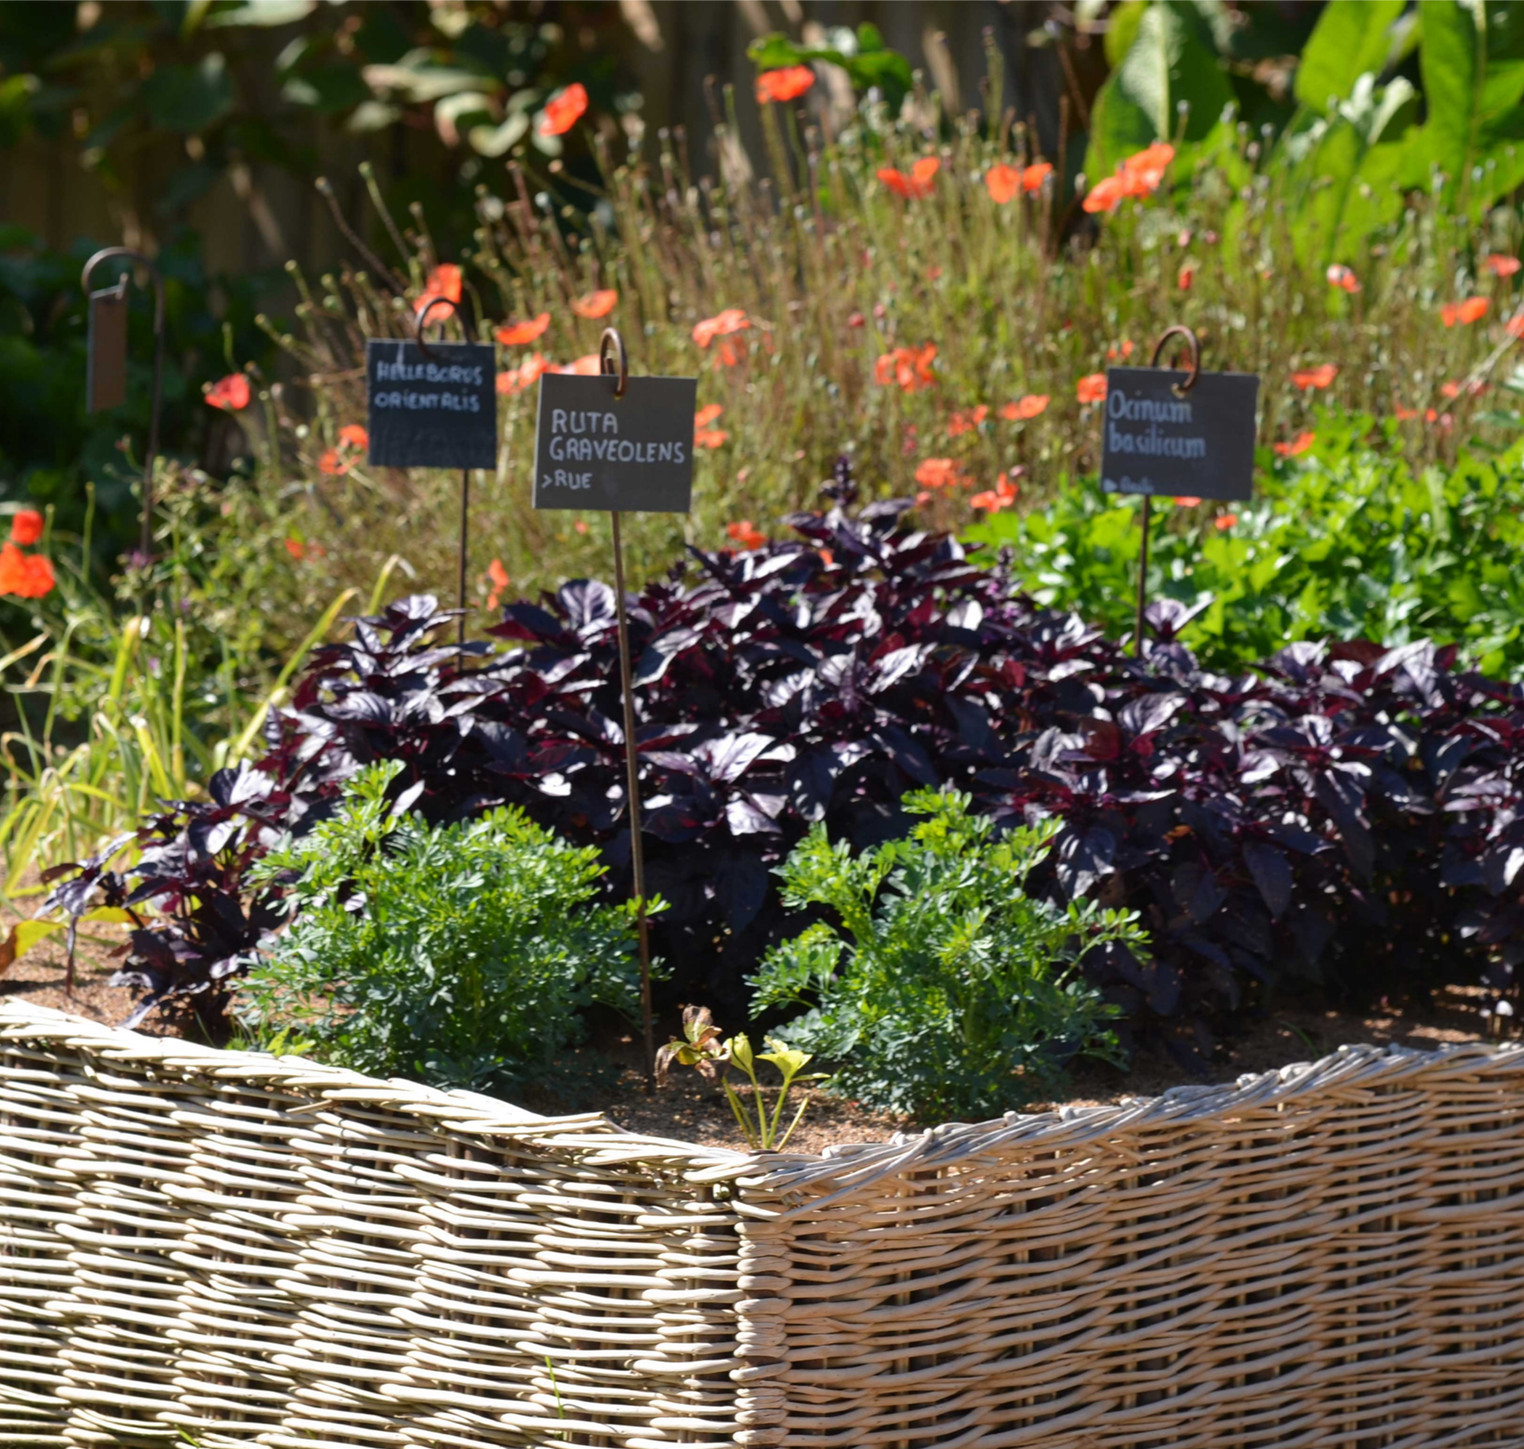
(1380, 136)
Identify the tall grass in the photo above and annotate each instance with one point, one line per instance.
(833, 271)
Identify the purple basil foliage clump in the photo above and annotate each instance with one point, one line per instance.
(1345, 814)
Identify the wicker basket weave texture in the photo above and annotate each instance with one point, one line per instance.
(1330, 1255)
(259, 1251)
(262, 1252)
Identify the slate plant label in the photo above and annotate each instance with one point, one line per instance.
(106, 365)
(620, 454)
(1197, 444)
(434, 409)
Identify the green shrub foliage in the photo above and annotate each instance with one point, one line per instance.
(461, 956)
(944, 990)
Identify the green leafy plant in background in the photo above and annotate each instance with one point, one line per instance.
(461, 956)
(704, 1048)
(1344, 541)
(937, 987)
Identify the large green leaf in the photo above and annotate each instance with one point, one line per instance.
(1352, 37)
(189, 98)
(1350, 173)
(1472, 58)
(1171, 60)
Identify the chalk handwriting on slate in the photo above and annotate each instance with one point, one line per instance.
(436, 410)
(1199, 443)
(634, 453)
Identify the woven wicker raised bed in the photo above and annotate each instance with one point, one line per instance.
(262, 1252)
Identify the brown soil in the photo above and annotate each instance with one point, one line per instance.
(608, 1075)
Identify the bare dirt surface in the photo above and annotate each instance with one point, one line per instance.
(608, 1075)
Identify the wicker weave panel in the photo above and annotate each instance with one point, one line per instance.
(259, 1252)
(1332, 1255)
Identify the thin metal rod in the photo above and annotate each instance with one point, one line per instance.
(138, 259)
(632, 775)
(465, 521)
(1137, 638)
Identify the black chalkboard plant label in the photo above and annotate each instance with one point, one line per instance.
(433, 407)
(620, 454)
(1197, 444)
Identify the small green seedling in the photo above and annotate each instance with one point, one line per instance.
(703, 1049)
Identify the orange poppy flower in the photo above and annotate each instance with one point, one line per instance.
(26, 526)
(1184, 277)
(710, 437)
(331, 464)
(966, 422)
(295, 547)
(36, 576)
(917, 184)
(1186, 501)
(937, 473)
(746, 534)
(1091, 388)
(727, 354)
(1106, 195)
(1002, 182)
(444, 281)
(563, 110)
(1025, 408)
(1313, 377)
(1473, 309)
(732, 319)
(1446, 421)
(517, 334)
(229, 393)
(992, 500)
(596, 304)
(588, 365)
(1514, 326)
(354, 435)
(1501, 266)
(907, 367)
(1342, 277)
(1033, 176)
(516, 379)
(1296, 447)
(706, 415)
(1404, 414)
(1124, 351)
(499, 578)
(1146, 167)
(29, 576)
(1224, 521)
(787, 84)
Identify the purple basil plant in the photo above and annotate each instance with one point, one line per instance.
(1344, 815)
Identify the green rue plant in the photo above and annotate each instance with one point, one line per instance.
(945, 990)
(462, 956)
(703, 1048)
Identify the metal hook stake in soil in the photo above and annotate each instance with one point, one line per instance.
(106, 384)
(1186, 335)
(465, 485)
(613, 362)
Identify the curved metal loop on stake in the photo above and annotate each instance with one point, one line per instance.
(613, 360)
(137, 259)
(1194, 370)
(423, 318)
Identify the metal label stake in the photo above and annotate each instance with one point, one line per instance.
(613, 361)
(1180, 389)
(465, 481)
(106, 384)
